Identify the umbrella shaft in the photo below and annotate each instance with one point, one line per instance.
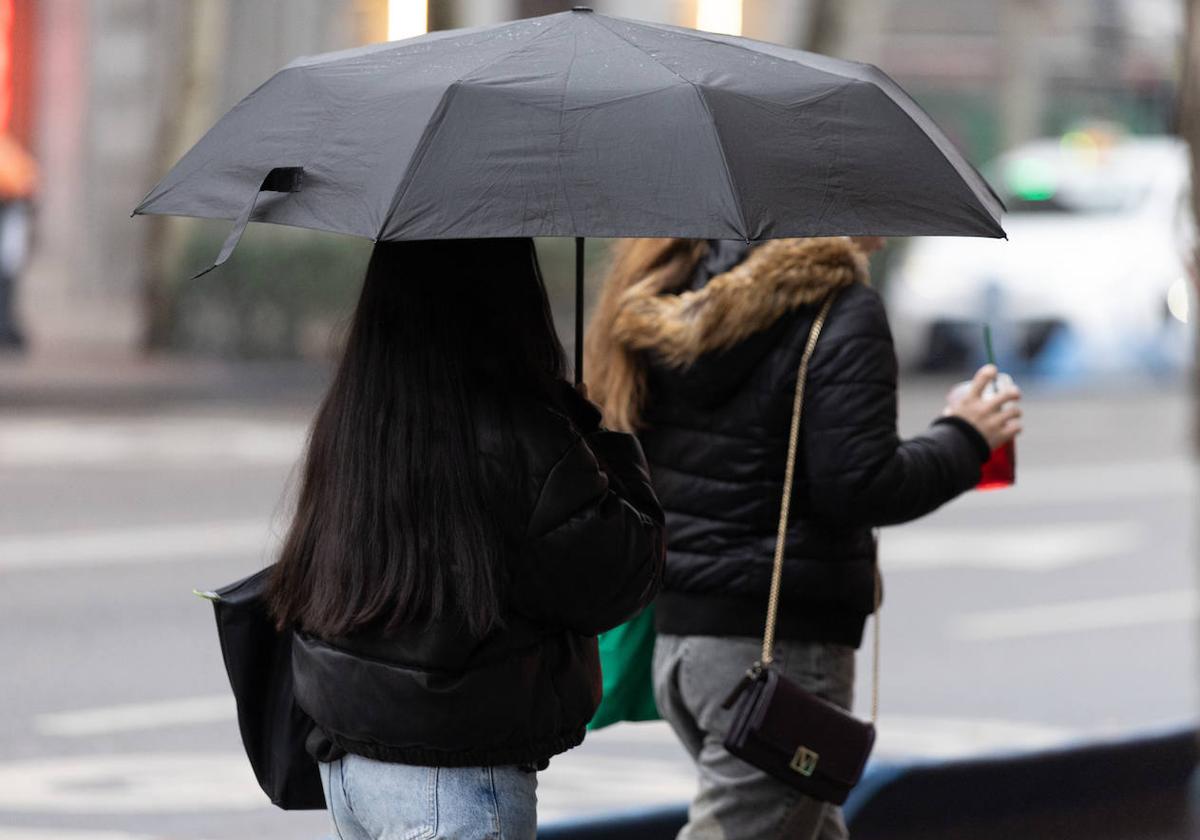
(578, 310)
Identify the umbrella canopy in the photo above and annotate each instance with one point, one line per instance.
(579, 124)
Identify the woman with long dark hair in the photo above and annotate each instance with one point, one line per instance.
(696, 346)
(464, 528)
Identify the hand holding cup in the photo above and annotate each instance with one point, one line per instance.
(990, 403)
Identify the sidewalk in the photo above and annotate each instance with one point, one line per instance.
(122, 382)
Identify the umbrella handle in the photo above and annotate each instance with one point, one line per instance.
(578, 310)
(283, 179)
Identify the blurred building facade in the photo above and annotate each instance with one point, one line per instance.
(122, 87)
(115, 90)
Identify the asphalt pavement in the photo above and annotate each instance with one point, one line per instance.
(1061, 609)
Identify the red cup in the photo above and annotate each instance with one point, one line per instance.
(1000, 470)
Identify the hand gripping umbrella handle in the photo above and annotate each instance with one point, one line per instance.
(282, 179)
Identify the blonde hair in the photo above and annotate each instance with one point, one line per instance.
(616, 375)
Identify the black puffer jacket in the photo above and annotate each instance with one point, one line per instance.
(587, 553)
(723, 362)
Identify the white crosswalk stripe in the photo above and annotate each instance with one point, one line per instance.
(138, 544)
(198, 442)
(1028, 548)
(134, 717)
(1106, 482)
(1079, 616)
(16, 833)
(130, 783)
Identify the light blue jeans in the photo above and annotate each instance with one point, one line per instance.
(376, 800)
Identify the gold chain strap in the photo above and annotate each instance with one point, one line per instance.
(785, 506)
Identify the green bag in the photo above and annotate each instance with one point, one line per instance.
(626, 657)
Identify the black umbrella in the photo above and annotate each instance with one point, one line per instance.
(579, 124)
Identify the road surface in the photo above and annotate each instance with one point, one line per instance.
(1063, 608)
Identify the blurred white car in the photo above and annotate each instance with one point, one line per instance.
(1094, 275)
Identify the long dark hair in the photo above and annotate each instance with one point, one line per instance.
(394, 525)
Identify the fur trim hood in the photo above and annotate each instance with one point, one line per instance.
(776, 278)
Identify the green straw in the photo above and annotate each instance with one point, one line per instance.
(987, 343)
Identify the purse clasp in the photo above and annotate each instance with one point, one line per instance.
(804, 761)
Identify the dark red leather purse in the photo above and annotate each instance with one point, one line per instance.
(810, 744)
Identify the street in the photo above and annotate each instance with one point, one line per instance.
(1063, 608)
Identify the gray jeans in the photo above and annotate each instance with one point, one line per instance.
(735, 801)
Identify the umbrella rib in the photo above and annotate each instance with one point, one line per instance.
(434, 125)
(353, 53)
(562, 106)
(906, 105)
(701, 35)
(729, 180)
(733, 190)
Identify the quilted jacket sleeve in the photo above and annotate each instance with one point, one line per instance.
(594, 548)
(858, 469)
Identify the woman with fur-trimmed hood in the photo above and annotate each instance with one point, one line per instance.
(695, 346)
